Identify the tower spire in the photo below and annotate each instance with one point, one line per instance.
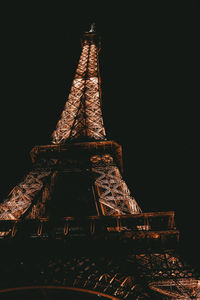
(82, 115)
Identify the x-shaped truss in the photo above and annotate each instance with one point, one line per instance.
(22, 195)
(82, 115)
(112, 190)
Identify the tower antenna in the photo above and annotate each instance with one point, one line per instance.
(92, 28)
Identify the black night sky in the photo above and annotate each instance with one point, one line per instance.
(150, 88)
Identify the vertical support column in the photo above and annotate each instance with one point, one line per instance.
(113, 193)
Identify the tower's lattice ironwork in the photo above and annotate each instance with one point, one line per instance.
(74, 196)
(82, 115)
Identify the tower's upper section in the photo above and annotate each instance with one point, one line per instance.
(82, 114)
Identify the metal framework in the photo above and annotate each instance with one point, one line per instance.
(79, 144)
(22, 195)
(82, 115)
(108, 255)
(143, 275)
(113, 192)
(80, 119)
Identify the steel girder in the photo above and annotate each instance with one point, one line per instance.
(22, 195)
(82, 115)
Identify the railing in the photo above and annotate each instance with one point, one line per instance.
(91, 225)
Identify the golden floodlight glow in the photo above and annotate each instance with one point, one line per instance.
(82, 115)
(22, 195)
(81, 118)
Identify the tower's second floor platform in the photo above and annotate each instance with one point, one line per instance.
(53, 155)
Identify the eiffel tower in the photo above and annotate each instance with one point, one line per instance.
(71, 229)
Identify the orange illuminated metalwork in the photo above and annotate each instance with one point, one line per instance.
(80, 119)
(141, 243)
(113, 192)
(22, 195)
(82, 115)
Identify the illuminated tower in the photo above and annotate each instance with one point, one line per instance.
(75, 210)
